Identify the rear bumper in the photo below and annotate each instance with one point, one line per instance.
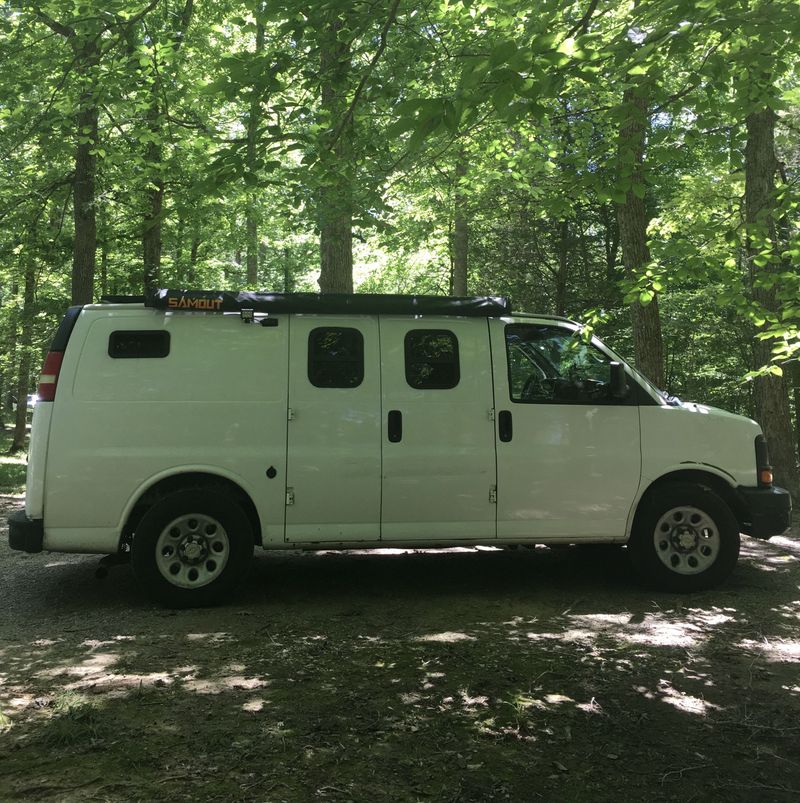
(767, 511)
(24, 534)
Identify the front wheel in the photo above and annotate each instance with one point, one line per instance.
(685, 538)
(192, 547)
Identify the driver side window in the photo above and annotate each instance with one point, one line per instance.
(552, 365)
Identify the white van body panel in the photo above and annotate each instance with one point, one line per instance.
(334, 442)
(439, 478)
(694, 436)
(570, 470)
(37, 457)
(219, 400)
(232, 399)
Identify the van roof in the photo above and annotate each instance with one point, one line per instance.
(324, 303)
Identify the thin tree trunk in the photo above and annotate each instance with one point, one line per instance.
(103, 268)
(460, 229)
(251, 214)
(153, 219)
(179, 251)
(288, 284)
(632, 217)
(796, 394)
(191, 278)
(563, 267)
(151, 229)
(24, 366)
(335, 208)
(771, 392)
(83, 194)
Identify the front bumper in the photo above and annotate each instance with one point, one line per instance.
(767, 511)
(25, 534)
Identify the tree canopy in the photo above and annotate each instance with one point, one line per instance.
(634, 166)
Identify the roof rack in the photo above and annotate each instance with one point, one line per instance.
(543, 316)
(110, 299)
(325, 303)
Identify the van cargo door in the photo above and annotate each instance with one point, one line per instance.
(333, 479)
(438, 437)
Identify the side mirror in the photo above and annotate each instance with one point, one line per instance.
(619, 380)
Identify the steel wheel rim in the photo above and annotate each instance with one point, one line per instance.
(192, 550)
(686, 540)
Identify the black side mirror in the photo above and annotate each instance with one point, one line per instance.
(619, 380)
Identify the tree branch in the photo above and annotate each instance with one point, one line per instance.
(55, 26)
(364, 78)
(582, 25)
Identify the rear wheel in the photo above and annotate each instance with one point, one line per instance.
(192, 547)
(685, 538)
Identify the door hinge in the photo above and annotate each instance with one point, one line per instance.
(491, 414)
(290, 415)
(493, 495)
(289, 496)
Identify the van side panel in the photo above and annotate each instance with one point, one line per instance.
(697, 436)
(37, 459)
(218, 400)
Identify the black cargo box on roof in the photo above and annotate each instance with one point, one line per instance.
(326, 303)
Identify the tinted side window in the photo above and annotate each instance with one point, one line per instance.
(432, 359)
(549, 364)
(335, 357)
(132, 344)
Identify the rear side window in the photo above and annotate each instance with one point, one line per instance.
(135, 344)
(335, 357)
(432, 359)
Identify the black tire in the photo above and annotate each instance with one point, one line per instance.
(192, 547)
(685, 538)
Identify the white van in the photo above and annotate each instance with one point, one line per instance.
(190, 426)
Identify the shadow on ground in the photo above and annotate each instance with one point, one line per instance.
(464, 676)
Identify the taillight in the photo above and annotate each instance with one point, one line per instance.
(763, 466)
(49, 378)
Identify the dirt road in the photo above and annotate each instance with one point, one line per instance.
(468, 676)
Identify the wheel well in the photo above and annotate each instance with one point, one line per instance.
(191, 480)
(698, 477)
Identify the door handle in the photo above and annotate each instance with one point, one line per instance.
(395, 426)
(505, 426)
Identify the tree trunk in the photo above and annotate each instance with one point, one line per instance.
(460, 229)
(151, 229)
(771, 392)
(335, 207)
(251, 214)
(191, 278)
(24, 366)
(796, 394)
(103, 268)
(83, 195)
(178, 268)
(632, 217)
(288, 284)
(563, 267)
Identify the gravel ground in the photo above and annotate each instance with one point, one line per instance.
(463, 676)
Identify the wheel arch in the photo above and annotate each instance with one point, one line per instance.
(160, 487)
(695, 476)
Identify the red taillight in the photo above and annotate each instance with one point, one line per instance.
(49, 378)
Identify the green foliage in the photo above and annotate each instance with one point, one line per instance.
(529, 95)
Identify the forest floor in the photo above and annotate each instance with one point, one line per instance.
(471, 675)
